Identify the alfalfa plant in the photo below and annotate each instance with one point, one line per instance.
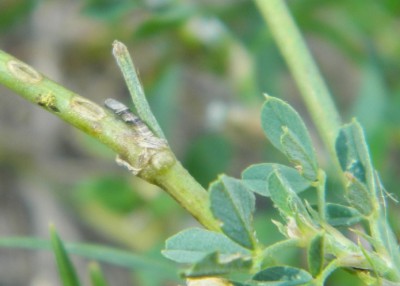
(227, 251)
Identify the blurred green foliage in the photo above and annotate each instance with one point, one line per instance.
(226, 46)
(113, 193)
(213, 151)
(13, 11)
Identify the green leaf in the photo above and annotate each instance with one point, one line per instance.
(96, 275)
(294, 150)
(233, 205)
(286, 130)
(355, 161)
(255, 178)
(213, 264)
(282, 276)
(65, 269)
(194, 244)
(284, 197)
(340, 215)
(358, 196)
(315, 255)
(118, 257)
(353, 155)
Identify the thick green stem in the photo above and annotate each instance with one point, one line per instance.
(188, 193)
(305, 71)
(162, 167)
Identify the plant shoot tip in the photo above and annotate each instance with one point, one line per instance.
(266, 95)
(119, 48)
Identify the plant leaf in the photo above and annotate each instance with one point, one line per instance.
(213, 264)
(283, 196)
(358, 195)
(279, 118)
(340, 215)
(255, 178)
(194, 244)
(282, 276)
(315, 255)
(233, 205)
(353, 155)
(66, 271)
(96, 275)
(110, 255)
(295, 151)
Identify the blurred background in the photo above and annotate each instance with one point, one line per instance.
(204, 66)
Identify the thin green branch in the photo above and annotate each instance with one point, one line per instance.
(125, 63)
(305, 71)
(161, 166)
(321, 194)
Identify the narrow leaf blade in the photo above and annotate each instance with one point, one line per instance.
(65, 269)
(96, 275)
(234, 205)
(114, 256)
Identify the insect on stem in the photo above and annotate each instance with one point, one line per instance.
(127, 68)
(145, 137)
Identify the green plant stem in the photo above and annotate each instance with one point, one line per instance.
(188, 193)
(321, 194)
(305, 71)
(102, 125)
